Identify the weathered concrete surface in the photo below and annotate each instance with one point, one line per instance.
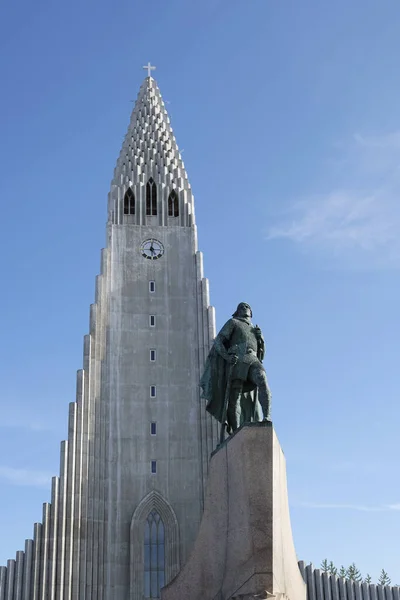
(245, 546)
(91, 543)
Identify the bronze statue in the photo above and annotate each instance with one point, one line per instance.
(234, 373)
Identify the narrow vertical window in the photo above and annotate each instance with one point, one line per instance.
(152, 320)
(151, 197)
(154, 555)
(153, 355)
(173, 204)
(152, 286)
(153, 428)
(154, 469)
(153, 391)
(129, 202)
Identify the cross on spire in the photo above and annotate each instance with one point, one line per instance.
(149, 68)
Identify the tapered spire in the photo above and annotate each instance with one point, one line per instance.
(149, 150)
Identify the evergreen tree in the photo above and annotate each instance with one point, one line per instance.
(384, 578)
(332, 569)
(325, 566)
(342, 572)
(353, 573)
(328, 567)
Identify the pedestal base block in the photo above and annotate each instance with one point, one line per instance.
(244, 549)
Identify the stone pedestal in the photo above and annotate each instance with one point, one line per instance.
(244, 548)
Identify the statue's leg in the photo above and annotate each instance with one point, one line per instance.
(247, 408)
(234, 408)
(258, 376)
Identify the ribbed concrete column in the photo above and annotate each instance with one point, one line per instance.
(37, 547)
(90, 545)
(326, 587)
(335, 588)
(55, 486)
(97, 464)
(318, 585)
(3, 582)
(364, 591)
(202, 343)
(84, 530)
(100, 431)
(62, 521)
(350, 590)
(309, 579)
(212, 426)
(101, 514)
(342, 588)
(27, 579)
(385, 592)
(10, 579)
(44, 557)
(70, 500)
(19, 573)
(99, 435)
(77, 500)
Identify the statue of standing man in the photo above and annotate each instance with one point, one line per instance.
(234, 373)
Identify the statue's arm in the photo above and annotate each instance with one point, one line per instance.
(260, 343)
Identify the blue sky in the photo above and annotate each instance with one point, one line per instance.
(287, 114)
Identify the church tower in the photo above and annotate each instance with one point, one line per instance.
(126, 508)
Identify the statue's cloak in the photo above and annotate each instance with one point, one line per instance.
(213, 385)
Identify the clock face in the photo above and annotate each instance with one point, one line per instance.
(152, 249)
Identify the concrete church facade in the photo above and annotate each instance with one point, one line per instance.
(127, 505)
(125, 510)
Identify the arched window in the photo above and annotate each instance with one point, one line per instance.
(173, 204)
(129, 202)
(141, 522)
(154, 555)
(151, 197)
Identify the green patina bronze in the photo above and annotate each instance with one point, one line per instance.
(234, 381)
